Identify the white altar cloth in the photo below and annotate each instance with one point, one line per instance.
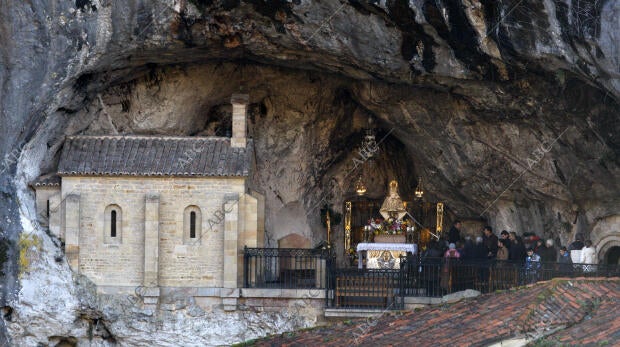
(398, 247)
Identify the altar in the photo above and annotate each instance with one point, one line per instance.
(384, 255)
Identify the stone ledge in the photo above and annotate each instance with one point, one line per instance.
(117, 289)
(422, 300)
(313, 294)
(458, 296)
(356, 313)
(218, 292)
(450, 298)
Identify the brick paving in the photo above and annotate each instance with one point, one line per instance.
(569, 312)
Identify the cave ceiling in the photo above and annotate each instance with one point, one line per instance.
(497, 106)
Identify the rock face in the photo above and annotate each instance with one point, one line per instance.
(508, 110)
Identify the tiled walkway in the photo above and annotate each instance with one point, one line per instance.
(575, 312)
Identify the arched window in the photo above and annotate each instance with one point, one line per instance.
(192, 225)
(113, 221)
(192, 221)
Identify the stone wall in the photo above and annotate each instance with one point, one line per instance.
(48, 207)
(196, 262)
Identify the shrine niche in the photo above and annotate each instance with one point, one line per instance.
(386, 230)
(383, 219)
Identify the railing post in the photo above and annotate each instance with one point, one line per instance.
(403, 275)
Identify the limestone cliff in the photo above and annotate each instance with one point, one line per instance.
(508, 109)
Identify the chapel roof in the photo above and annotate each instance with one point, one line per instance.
(47, 180)
(139, 155)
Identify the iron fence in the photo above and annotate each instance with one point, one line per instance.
(434, 277)
(352, 288)
(285, 268)
(367, 289)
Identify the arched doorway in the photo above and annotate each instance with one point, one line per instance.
(612, 256)
(607, 249)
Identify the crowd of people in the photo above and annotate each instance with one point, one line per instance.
(509, 257)
(507, 247)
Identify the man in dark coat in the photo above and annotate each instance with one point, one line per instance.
(577, 245)
(516, 253)
(454, 235)
(565, 262)
(490, 241)
(548, 253)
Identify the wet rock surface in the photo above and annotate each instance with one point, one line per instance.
(509, 111)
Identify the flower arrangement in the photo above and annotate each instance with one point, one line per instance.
(389, 227)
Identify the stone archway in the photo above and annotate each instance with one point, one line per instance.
(612, 256)
(605, 245)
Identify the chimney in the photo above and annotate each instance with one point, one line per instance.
(239, 106)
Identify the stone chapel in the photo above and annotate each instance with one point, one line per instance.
(156, 212)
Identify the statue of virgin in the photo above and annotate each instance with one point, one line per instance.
(393, 206)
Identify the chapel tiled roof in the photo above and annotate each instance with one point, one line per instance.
(576, 312)
(153, 156)
(48, 180)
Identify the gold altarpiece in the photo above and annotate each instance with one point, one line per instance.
(358, 210)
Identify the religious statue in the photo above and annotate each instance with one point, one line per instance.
(393, 206)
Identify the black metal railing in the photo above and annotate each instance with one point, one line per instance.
(367, 289)
(352, 288)
(285, 268)
(552, 270)
(433, 277)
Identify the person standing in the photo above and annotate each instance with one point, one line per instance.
(532, 265)
(502, 250)
(468, 249)
(550, 255)
(504, 235)
(516, 252)
(577, 245)
(479, 251)
(490, 241)
(454, 235)
(565, 262)
(452, 252)
(588, 257)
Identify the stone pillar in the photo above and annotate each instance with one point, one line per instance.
(72, 230)
(151, 249)
(247, 229)
(231, 223)
(239, 103)
(230, 292)
(151, 240)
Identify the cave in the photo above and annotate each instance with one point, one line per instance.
(507, 114)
